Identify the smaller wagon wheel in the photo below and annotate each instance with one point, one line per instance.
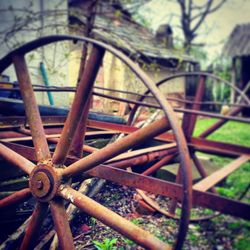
(192, 109)
(49, 179)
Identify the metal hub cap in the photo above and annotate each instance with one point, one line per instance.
(44, 182)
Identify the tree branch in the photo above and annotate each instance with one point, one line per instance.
(203, 16)
(217, 6)
(210, 11)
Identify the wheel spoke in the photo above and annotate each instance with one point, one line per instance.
(61, 224)
(165, 160)
(31, 108)
(16, 159)
(78, 141)
(112, 219)
(118, 147)
(189, 120)
(219, 123)
(34, 226)
(70, 141)
(173, 204)
(201, 170)
(15, 199)
(79, 104)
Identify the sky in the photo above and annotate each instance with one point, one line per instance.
(216, 29)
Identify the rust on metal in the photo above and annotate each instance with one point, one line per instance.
(15, 199)
(31, 108)
(118, 223)
(34, 226)
(48, 179)
(117, 147)
(79, 104)
(16, 159)
(220, 174)
(172, 190)
(44, 182)
(61, 224)
(189, 120)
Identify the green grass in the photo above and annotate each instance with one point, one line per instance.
(236, 183)
(106, 244)
(234, 133)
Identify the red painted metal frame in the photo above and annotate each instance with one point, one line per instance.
(110, 171)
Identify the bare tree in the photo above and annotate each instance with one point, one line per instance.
(193, 16)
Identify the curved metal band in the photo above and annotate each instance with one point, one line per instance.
(180, 139)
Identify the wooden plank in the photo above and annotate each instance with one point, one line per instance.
(219, 175)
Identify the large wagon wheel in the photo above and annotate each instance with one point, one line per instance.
(193, 108)
(198, 78)
(49, 179)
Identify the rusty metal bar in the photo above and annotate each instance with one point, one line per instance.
(119, 128)
(34, 226)
(218, 124)
(135, 157)
(113, 220)
(196, 143)
(15, 199)
(172, 190)
(31, 109)
(219, 175)
(189, 120)
(117, 147)
(17, 121)
(16, 159)
(142, 159)
(174, 203)
(206, 74)
(25, 151)
(77, 143)
(201, 170)
(19, 136)
(203, 145)
(170, 147)
(80, 101)
(85, 148)
(9, 135)
(29, 138)
(219, 148)
(180, 110)
(61, 224)
(188, 125)
(73, 89)
(165, 160)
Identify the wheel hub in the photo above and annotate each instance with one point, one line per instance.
(44, 182)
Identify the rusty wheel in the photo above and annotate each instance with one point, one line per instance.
(192, 108)
(50, 177)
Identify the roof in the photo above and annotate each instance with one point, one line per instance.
(136, 41)
(238, 44)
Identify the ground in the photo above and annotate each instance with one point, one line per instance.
(221, 232)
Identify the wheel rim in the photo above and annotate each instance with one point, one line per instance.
(202, 77)
(42, 176)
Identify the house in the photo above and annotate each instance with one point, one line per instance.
(114, 25)
(238, 49)
(23, 21)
